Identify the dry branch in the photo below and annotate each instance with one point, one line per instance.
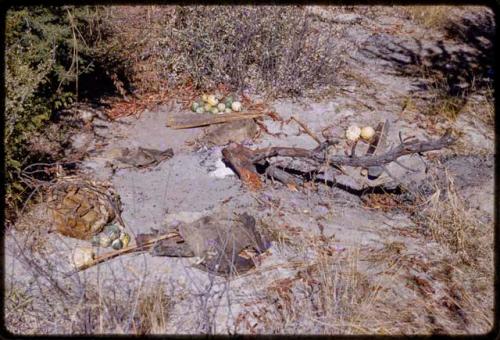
(190, 120)
(131, 249)
(274, 172)
(243, 159)
(403, 149)
(307, 130)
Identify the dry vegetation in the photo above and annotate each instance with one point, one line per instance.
(465, 265)
(84, 308)
(276, 50)
(447, 290)
(433, 17)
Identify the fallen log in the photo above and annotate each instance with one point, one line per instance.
(243, 160)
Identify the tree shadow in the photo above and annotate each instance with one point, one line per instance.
(457, 66)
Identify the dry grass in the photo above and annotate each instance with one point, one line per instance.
(327, 295)
(86, 309)
(442, 283)
(466, 261)
(325, 292)
(439, 100)
(277, 49)
(152, 312)
(440, 280)
(433, 17)
(41, 299)
(482, 108)
(455, 226)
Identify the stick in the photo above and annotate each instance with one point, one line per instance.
(366, 161)
(274, 172)
(242, 158)
(379, 147)
(196, 120)
(307, 130)
(127, 250)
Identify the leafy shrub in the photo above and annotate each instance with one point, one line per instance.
(48, 49)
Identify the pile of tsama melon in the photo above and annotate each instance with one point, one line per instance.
(215, 104)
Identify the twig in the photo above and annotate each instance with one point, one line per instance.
(266, 130)
(127, 250)
(307, 130)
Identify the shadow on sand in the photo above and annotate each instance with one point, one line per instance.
(457, 66)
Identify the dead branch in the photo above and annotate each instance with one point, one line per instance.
(240, 159)
(185, 121)
(243, 160)
(274, 172)
(307, 130)
(403, 149)
(131, 249)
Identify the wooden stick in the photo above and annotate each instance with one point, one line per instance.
(365, 161)
(242, 158)
(307, 130)
(127, 250)
(186, 121)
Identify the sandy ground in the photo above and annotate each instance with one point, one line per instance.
(183, 185)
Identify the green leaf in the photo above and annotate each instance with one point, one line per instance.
(13, 163)
(18, 186)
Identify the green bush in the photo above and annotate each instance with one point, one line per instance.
(47, 50)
